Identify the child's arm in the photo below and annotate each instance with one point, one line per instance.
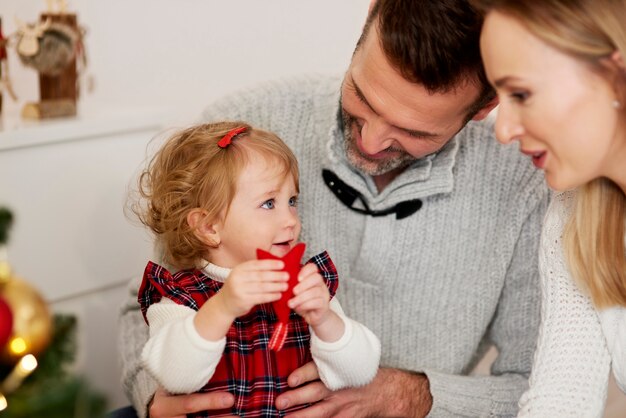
(175, 354)
(346, 353)
(351, 361)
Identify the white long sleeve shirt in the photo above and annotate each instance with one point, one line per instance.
(577, 343)
(182, 361)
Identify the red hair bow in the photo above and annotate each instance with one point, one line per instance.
(228, 138)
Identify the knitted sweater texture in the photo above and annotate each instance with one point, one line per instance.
(438, 287)
(577, 343)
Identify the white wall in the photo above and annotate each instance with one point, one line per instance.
(185, 53)
(180, 54)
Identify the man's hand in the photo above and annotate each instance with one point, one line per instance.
(164, 405)
(392, 393)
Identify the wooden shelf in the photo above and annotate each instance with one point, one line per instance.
(16, 132)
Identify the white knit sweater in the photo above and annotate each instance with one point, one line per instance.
(577, 344)
(182, 361)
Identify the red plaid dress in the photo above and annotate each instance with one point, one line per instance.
(250, 371)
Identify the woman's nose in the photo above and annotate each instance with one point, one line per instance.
(508, 127)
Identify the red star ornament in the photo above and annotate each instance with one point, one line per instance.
(292, 266)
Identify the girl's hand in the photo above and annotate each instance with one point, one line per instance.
(252, 283)
(312, 302)
(311, 296)
(249, 284)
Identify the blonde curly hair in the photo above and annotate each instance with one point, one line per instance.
(191, 171)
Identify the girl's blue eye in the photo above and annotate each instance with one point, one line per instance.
(293, 201)
(268, 204)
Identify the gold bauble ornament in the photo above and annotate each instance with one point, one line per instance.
(32, 322)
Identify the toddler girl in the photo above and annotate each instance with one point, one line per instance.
(215, 194)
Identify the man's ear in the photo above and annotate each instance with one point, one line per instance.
(205, 229)
(484, 112)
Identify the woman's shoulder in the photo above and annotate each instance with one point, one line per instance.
(559, 211)
(551, 254)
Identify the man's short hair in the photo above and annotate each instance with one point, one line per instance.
(432, 42)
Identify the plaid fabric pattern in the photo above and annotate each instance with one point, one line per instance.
(248, 369)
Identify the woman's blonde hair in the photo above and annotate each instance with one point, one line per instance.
(591, 31)
(191, 171)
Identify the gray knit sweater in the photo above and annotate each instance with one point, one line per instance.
(437, 287)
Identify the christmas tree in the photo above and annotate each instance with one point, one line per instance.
(35, 354)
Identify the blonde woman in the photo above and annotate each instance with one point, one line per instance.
(558, 68)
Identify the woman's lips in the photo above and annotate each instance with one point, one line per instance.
(538, 158)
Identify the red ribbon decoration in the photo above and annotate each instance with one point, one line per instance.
(227, 139)
(3, 44)
(292, 266)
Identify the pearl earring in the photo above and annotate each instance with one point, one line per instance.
(616, 104)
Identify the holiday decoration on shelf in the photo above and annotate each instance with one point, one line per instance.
(3, 59)
(47, 47)
(35, 350)
(53, 46)
(5, 81)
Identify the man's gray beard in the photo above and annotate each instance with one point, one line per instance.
(376, 167)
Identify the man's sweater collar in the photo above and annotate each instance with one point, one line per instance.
(425, 177)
